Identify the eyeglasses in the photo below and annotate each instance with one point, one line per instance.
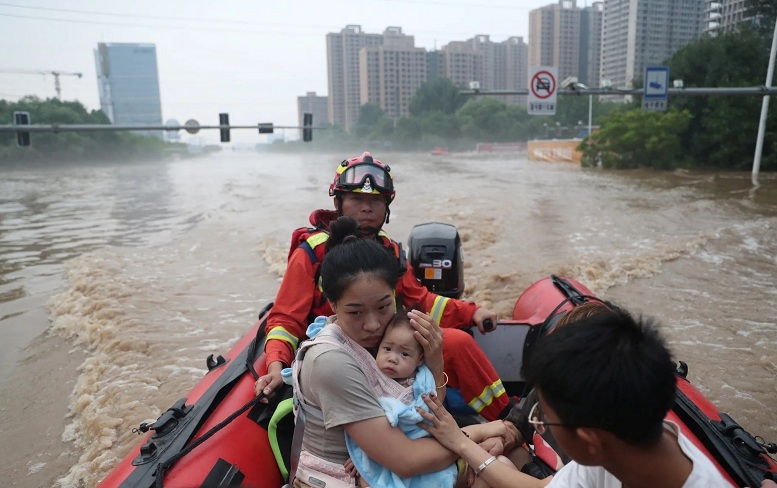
(367, 175)
(535, 419)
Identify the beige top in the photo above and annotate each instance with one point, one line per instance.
(333, 381)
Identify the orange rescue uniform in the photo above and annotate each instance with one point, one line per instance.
(300, 300)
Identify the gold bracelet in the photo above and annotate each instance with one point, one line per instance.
(444, 375)
(484, 465)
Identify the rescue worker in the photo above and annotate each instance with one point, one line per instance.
(363, 189)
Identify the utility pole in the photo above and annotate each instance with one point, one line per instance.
(759, 142)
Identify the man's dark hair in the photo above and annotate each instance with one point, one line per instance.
(608, 371)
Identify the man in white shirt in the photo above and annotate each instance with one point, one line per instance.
(605, 386)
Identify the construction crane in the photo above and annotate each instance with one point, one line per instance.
(55, 74)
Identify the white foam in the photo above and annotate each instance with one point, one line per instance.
(36, 467)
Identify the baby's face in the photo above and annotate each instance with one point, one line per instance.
(399, 354)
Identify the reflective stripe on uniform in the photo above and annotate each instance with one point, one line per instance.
(281, 334)
(490, 392)
(438, 308)
(316, 239)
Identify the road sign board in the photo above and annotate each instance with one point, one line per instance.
(656, 90)
(542, 90)
(192, 126)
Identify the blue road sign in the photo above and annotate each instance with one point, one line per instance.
(656, 90)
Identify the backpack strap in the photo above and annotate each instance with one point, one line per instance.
(308, 238)
(301, 410)
(401, 256)
(402, 259)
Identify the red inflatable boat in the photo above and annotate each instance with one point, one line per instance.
(218, 435)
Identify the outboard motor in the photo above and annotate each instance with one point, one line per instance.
(436, 257)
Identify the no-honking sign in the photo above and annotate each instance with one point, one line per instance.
(542, 90)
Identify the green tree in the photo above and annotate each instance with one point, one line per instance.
(409, 132)
(370, 117)
(71, 146)
(440, 124)
(723, 129)
(766, 12)
(440, 95)
(488, 119)
(638, 139)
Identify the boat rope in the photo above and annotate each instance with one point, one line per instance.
(162, 468)
(769, 447)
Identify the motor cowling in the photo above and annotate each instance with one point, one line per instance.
(437, 259)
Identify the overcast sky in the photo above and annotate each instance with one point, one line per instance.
(248, 58)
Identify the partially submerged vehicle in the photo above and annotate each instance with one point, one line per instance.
(220, 435)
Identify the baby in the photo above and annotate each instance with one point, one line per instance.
(400, 357)
(399, 353)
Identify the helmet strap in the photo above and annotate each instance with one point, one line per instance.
(369, 231)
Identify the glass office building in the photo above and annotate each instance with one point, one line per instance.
(128, 81)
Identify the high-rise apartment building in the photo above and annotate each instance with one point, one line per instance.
(128, 81)
(387, 69)
(591, 44)
(342, 55)
(433, 65)
(726, 15)
(494, 65)
(569, 38)
(516, 54)
(541, 36)
(312, 104)
(390, 74)
(640, 33)
(554, 38)
(461, 64)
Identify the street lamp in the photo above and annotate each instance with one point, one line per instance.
(572, 83)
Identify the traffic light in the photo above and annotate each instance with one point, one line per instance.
(265, 128)
(224, 120)
(22, 118)
(307, 124)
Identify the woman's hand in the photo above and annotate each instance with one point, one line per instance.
(429, 335)
(513, 437)
(270, 382)
(494, 445)
(443, 426)
(503, 430)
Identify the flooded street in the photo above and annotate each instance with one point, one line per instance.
(149, 268)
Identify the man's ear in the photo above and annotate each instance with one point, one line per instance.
(593, 443)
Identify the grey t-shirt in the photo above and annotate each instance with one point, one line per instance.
(332, 381)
